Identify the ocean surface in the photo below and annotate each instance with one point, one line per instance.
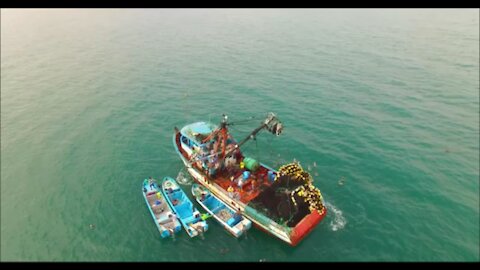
(381, 106)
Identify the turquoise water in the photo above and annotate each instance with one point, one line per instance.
(384, 101)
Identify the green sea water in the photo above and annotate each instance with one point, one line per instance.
(385, 102)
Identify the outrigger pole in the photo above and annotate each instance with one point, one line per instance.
(271, 123)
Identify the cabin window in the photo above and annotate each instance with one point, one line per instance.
(184, 140)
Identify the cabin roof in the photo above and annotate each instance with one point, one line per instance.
(198, 131)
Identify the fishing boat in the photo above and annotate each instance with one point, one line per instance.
(159, 209)
(231, 220)
(186, 212)
(283, 202)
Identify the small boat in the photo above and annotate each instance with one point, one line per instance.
(184, 209)
(161, 212)
(234, 223)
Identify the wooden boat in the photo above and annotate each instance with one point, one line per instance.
(232, 221)
(161, 212)
(184, 209)
(283, 203)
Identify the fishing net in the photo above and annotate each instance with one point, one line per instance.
(224, 214)
(290, 198)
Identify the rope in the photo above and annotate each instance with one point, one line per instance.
(256, 149)
(251, 118)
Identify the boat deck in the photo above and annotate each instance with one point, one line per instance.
(160, 210)
(250, 188)
(255, 184)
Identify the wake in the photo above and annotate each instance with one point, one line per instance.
(183, 178)
(339, 220)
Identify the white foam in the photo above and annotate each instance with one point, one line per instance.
(339, 220)
(183, 179)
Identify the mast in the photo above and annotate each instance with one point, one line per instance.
(271, 123)
(221, 134)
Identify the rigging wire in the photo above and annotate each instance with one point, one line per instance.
(249, 119)
(184, 105)
(256, 148)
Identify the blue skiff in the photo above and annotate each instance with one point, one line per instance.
(160, 210)
(232, 221)
(182, 206)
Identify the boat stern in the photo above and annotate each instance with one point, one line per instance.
(305, 226)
